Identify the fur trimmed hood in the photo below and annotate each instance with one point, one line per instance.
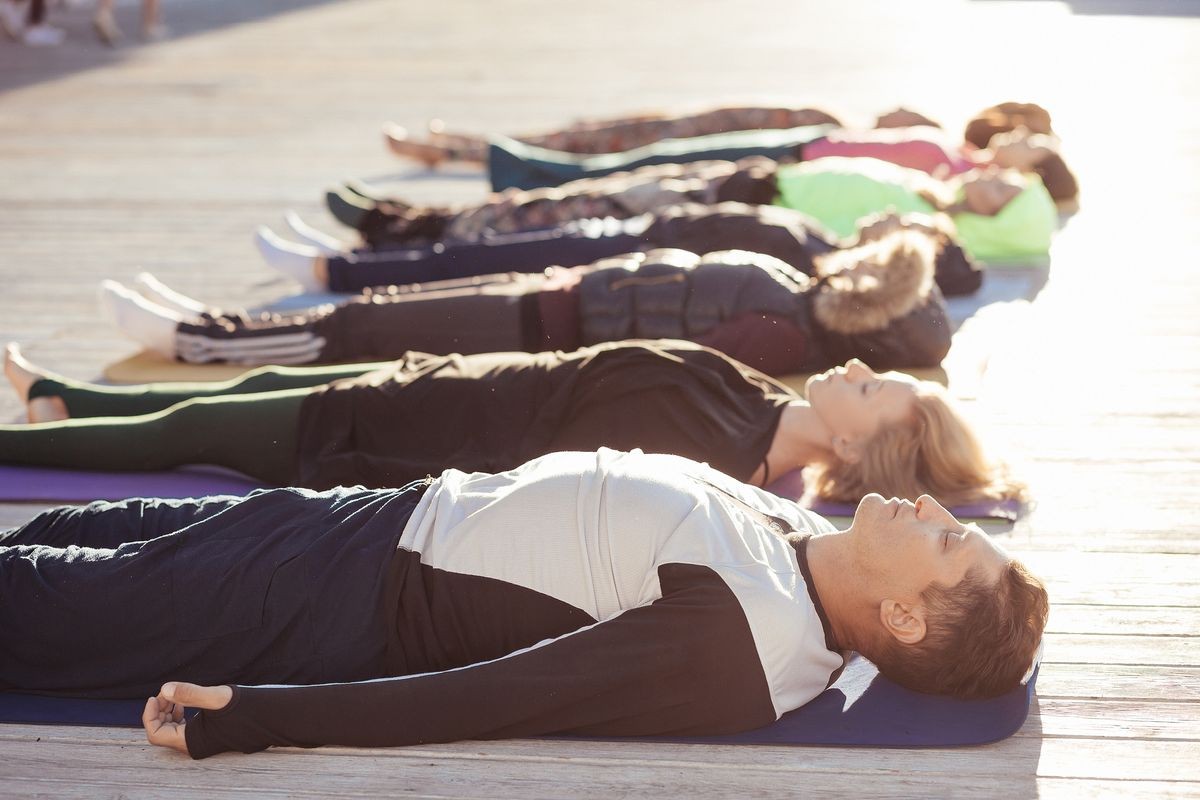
(867, 287)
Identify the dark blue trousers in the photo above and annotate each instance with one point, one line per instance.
(281, 586)
(532, 251)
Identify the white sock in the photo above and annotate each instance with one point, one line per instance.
(148, 324)
(158, 292)
(328, 245)
(297, 261)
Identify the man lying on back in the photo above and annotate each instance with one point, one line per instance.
(598, 593)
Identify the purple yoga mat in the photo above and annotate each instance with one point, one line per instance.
(33, 484)
(791, 485)
(66, 485)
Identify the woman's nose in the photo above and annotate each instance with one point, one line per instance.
(857, 369)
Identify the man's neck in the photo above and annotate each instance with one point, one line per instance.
(832, 567)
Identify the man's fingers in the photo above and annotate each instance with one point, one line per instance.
(210, 698)
(150, 718)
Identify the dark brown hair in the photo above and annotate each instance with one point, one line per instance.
(980, 639)
(1057, 178)
(1005, 117)
(753, 183)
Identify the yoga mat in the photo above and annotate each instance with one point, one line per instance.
(146, 367)
(791, 485)
(861, 708)
(33, 484)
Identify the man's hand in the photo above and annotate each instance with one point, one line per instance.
(163, 716)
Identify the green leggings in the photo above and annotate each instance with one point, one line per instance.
(248, 424)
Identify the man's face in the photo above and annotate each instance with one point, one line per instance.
(902, 547)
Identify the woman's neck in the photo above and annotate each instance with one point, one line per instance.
(801, 438)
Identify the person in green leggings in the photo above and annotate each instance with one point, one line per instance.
(248, 423)
(388, 424)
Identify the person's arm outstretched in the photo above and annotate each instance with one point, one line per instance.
(684, 665)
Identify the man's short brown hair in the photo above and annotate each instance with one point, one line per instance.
(980, 638)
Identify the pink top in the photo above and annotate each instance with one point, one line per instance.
(923, 148)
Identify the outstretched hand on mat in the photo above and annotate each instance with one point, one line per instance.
(163, 716)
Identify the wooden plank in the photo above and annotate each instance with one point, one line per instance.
(1126, 620)
(1121, 682)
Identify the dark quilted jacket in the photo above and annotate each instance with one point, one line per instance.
(674, 294)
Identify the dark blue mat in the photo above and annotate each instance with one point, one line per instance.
(861, 708)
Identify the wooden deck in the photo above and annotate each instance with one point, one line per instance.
(165, 157)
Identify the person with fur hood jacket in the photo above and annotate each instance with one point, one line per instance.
(877, 302)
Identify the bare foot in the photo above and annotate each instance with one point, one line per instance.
(22, 375)
(456, 146)
(400, 143)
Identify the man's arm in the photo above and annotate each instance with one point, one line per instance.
(686, 664)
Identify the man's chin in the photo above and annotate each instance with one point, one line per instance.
(868, 509)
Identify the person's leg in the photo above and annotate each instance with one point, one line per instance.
(109, 525)
(39, 33)
(389, 223)
(498, 314)
(94, 400)
(592, 137)
(513, 164)
(478, 315)
(12, 20)
(254, 434)
(105, 24)
(441, 146)
(281, 586)
(531, 251)
(152, 26)
(619, 196)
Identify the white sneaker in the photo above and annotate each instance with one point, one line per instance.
(43, 36)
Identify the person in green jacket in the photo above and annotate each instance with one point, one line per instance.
(997, 214)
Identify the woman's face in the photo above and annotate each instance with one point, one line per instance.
(855, 403)
(986, 192)
(1019, 149)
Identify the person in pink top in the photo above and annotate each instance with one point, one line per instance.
(1023, 141)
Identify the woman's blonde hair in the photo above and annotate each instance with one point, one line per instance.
(936, 453)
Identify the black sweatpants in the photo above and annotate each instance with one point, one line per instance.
(282, 586)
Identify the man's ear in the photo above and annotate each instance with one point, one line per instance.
(904, 622)
(848, 451)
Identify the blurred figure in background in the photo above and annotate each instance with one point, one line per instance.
(33, 29)
(110, 33)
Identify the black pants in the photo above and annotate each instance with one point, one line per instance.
(282, 586)
(533, 251)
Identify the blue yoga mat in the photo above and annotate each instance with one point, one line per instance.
(861, 708)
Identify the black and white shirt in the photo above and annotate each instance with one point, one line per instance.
(601, 593)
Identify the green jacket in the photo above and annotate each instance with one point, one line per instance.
(840, 191)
